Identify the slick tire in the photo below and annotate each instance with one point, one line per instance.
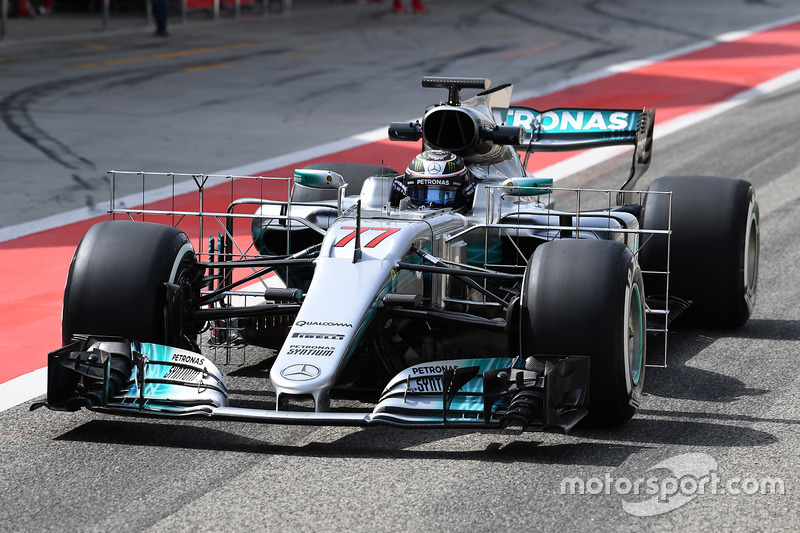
(354, 174)
(116, 282)
(714, 250)
(586, 297)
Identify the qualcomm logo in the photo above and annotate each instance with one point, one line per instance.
(302, 323)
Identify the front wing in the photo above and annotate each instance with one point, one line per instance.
(117, 376)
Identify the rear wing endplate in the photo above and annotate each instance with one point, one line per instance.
(568, 129)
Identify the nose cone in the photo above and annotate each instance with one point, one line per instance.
(299, 378)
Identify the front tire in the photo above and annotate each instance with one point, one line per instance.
(116, 284)
(586, 297)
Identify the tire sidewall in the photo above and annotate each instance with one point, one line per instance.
(750, 257)
(635, 352)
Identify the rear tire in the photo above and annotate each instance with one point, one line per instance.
(714, 249)
(116, 282)
(586, 297)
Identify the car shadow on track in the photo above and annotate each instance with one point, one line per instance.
(680, 381)
(376, 443)
(651, 431)
(585, 446)
(382, 442)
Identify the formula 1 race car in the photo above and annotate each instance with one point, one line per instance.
(453, 294)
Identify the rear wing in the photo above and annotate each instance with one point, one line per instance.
(567, 129)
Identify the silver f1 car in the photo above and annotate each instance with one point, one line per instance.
(453, 294)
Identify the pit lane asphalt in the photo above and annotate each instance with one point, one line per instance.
(731, 395)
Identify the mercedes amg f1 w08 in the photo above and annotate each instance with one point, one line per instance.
(452, 294)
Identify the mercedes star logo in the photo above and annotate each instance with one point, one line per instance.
(434, 168)
(300, 372)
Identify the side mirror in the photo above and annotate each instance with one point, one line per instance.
(318, 179)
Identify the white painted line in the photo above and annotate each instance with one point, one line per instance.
(23, 388)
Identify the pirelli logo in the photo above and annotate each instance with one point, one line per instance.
(324, 336)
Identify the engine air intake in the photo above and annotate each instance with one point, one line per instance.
(450, 129)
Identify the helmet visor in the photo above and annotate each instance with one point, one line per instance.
(435, 196)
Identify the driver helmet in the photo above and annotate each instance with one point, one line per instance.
(438, 178)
